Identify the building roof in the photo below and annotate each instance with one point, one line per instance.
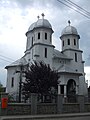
(40, 23)
(66, 69)
(69, 30)
(19, 62)
(58, 54)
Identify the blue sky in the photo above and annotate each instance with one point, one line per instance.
(17, 15)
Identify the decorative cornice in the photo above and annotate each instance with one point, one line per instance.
(72, 50)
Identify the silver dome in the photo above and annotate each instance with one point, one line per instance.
(40, 23)
(69, 30)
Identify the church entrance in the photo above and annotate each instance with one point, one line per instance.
(71, 91)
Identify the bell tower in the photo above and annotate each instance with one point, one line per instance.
(70, 38)
(39, 41)
(70, 47)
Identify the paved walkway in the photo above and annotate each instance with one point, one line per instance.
(76, 116)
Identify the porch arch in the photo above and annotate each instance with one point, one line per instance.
(71, 90)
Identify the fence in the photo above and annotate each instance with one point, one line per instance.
(45, 108)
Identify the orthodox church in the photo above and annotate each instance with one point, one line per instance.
(67, 62)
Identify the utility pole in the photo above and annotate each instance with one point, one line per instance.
(21, 71)
(20, 83)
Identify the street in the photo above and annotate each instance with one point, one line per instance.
(73, 116)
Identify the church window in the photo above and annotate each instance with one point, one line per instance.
(45, 52)
(68, 41)
(75, 57)
(39, 35)
(74, 41)
(63, 42)
(32, 41)
(12, 82)
(45, 36)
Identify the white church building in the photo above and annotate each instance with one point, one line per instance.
(68, 62)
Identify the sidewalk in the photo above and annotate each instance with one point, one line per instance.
(47, 117)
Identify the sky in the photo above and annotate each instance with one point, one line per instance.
(17, 15)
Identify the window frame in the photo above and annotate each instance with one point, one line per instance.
(68, 41)
(63, 42)
(32, 41)
(45, 53)
(12, 82)
(74, 41)
(45, 36)
(38, 35)
(76, 57)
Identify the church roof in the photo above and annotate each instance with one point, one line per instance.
(66, 69)
(58, 54)
(69, 30)
(40, 23)
(21, 61)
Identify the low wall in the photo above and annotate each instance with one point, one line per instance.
(42, 108)
(17, 109)
(46, 108)
(87, 107)
(71, 108)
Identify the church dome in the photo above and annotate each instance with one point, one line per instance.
(69, 30)
(40, 23)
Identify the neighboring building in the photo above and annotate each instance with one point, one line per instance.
(39, 47)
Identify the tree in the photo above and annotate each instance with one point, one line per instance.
(40, 78)
(1, 89)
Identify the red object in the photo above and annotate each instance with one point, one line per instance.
(4, 103)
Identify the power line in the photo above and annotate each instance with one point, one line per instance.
(6, 57)
(88, 13)
(5, 60)
(71, 6)
(78, 7)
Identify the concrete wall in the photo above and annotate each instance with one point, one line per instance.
(42, 108)
(17, 109)
(46, 108)
(71, 108)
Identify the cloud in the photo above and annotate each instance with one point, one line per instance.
(85, 39)
(17, 15)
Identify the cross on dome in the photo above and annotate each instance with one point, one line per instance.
(42, 15)
(69, 22)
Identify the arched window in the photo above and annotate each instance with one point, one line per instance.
(39, 35)
(75, 57)
(45, 36)
(74, 41)
(68, 40)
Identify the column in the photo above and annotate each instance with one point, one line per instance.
(76, 89)
(65, 91)
(59, 89)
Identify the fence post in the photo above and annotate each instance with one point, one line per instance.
(81, 102)
(33, 103)
(59, 103)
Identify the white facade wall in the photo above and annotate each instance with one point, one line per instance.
(12, 74)
(71, 37)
